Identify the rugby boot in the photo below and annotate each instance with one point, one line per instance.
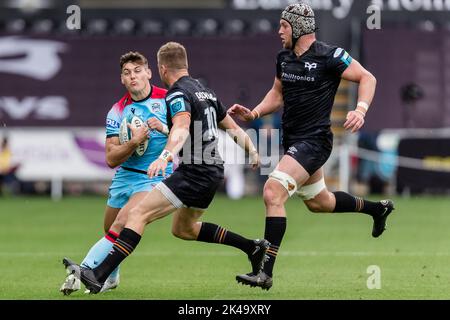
(379, 221)
(261, 280)
(258, 255)
(86, 276)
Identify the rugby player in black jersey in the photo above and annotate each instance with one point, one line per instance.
(308, 74)
(194, 116)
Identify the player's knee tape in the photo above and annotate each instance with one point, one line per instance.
(285, 180)
(308, 192)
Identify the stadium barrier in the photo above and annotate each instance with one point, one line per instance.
(416, 159)
(57, 155)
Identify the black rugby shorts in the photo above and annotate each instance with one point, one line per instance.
(192, 186)
(310, 153)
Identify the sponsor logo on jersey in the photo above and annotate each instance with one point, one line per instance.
(177, 105)
(310, 65)
(290, 77)
(112, 123)
(156, 107)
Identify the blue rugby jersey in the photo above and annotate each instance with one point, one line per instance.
(152, 106)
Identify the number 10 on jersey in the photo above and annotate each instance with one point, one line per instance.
(211, 116)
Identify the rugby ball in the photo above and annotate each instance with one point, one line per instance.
(125, 134)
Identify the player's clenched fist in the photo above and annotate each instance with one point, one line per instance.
(138, 134)
(154, 124)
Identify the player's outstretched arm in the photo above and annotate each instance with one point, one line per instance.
(240, 137)
(117, 153)
(366, 91)
(271, 103)
(177, 137)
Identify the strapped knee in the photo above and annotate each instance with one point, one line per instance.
(310, 191)
(285, 180)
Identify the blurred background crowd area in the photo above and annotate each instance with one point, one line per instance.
(58, 80)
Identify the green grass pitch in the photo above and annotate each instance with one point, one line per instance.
(323, 256)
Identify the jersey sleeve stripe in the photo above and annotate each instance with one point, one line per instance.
(173, 95)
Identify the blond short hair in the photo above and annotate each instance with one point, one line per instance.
(173, 55)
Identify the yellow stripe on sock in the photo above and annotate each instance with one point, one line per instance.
(126, 251)
(221, 238)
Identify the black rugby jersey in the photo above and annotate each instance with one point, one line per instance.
(189, 95)
(309, 85)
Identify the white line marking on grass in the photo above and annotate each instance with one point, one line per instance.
(229, 254)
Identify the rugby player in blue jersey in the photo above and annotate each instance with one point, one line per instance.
(130, 183)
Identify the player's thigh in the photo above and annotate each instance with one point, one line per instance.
(122, 215)
(315, 177)
(310, 155)
(154, 205)
(134, 200)
(291, 167)
(185, 223)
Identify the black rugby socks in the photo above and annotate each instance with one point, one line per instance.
(347, 203)
(213, 233)
(274, 232)
(122, 248)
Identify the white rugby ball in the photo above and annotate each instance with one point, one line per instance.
(125, 134)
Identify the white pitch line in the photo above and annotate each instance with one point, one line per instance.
(230, 254)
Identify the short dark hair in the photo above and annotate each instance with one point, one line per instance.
(133, 56)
